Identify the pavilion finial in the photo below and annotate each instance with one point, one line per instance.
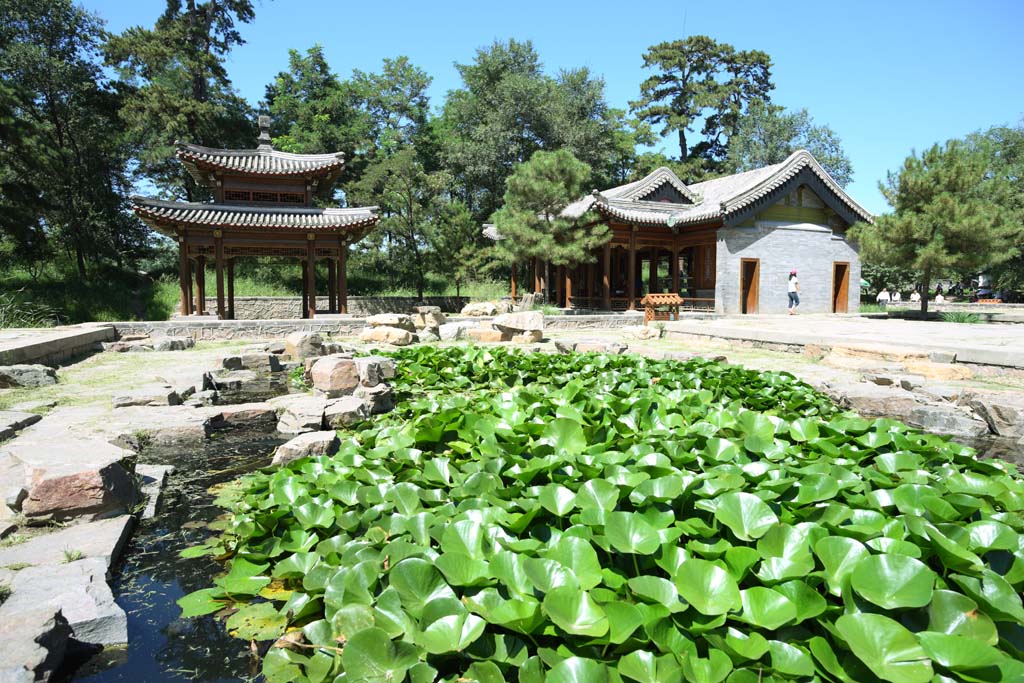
(264, 139)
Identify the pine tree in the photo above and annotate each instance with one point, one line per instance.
(531, 223)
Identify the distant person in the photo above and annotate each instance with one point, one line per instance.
(883, 298)
(938, 290)
(939, 299)
(915, 297)
(897, 297)
(793, 289)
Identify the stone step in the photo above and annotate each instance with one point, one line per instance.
(103, 540)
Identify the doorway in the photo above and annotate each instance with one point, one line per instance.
(749, 275)
(840, 286)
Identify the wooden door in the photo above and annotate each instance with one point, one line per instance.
(749, 275)
(840, 286)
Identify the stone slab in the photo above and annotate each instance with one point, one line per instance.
(103, 540)
(51, 345)
(12, 422)
(33, 644)
(154, 478)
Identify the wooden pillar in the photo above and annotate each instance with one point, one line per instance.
(311, 274)
(201, 285)
(568, 285)
(332, 286)
(674, 269)
(305, 290)
(513, 282)
(559, 283)
(537, 267)
(631, 268)
(652, 275)
(590, 282)
(218, 259)
(342, 276)
(231, 289)
(606, 281)
(184, 275)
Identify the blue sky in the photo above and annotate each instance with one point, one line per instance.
(888, 77)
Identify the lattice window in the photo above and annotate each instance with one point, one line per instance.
(293, 198)
(236, 195)
(265, 251)
(264, 196)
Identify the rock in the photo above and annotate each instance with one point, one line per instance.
(133, 337)
(306, 445)
(940, 392)
(79, 590)
(103, 540)
(31, 406)
(27, 376)
(260, 362)
(233, 380)
(334, 376)
(152, 395)
(34, 642)
(399, 320)
(12, 422)
(83, 478)
(387, 335)
(428, 317)
(453, 331)
(300, 345)
(589, 346)
(347, 411)
(517, 323)
(255, 417)
(910, 382)
(1004, 413)
(202, 398)
(276, 348)
(940, 419)
(333, 348)
(172, 426)
(152, 478)
(880, 380)
(942, 357)
(641, 332)
(429, 335)
(479, 308)
(231, 362)
(173, 343)
(564, 346)
(304, 414)
(873, 401)
(939, 371)
(531, 337)
(380, 398)
(816, 351)
(374, 369)
(481, 334)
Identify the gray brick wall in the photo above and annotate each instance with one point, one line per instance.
(811, 250)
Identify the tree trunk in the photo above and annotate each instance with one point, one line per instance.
(80, 259)
(926, 284)
(682, 145)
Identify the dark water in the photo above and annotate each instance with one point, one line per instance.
(152, 577)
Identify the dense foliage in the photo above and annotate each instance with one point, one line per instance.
(603, 518)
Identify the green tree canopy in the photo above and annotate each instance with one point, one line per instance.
(531, 221)
(178, 88)
(767, 134)
(951, 213)
(701, 78)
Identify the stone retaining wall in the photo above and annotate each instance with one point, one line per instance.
(290, 307)
(206, 330)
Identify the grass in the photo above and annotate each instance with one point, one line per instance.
(72, 555)
(960, 317)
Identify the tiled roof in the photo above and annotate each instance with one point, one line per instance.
(263, 161)
(158, 213)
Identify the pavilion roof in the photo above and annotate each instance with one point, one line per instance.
(162, 215)
(263, 161)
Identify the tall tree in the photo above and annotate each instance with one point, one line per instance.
(396, 101)
(179, 88)
(950, 214)
(695, 78)
(61, 154)
(531, 222)
(768, 134)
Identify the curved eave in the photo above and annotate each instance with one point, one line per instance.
(653, 218)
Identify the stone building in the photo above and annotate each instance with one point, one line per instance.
(726, 244)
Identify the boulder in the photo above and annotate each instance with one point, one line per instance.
(12, 422)
(300, 345)
(173, 343)
(233, 380)
(306, 445)
(641, 332)
(872, 400)
(379, 399)
(166, 427)
(103, 539)
(255, 417)
(374, 369)
(940, 371)
(428, 317)
(395, 336)
(589, 346)
(517, 323)
(260, 362)
(302, 414)
(201, 399)
(529, 337)
(346, 411)
(880, 380)
(943, 419)
(332, 348)
(481, 334)
(127, 347)
(1004, 413)
(79, 590)
(34, 640)
(82, 478)
(453, 331)
(479, 309)
(564, 346)
(334, 376)
(399, 320)
(428, 335)
(152, 395)
(26, 376)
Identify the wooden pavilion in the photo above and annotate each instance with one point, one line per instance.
(263, 205)
(722, 244)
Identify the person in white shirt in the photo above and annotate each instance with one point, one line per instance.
(897, 297)
(939, 299)
(793, 288)
(883, 297)
(915, 297)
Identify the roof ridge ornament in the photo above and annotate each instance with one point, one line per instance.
(264, 139)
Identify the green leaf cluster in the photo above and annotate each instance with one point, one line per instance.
(527, 517)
